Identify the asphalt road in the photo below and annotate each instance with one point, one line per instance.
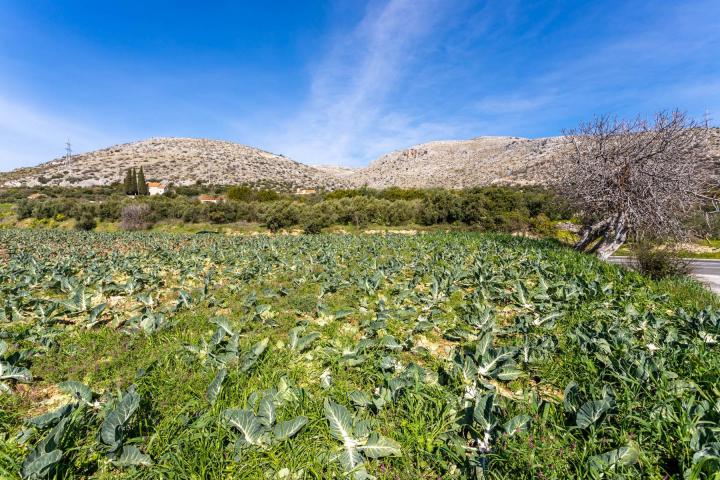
(697, 266)
(706, 271)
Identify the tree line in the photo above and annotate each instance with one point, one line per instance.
(489, 208)
(656, 179)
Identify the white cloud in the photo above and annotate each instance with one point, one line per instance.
(352, 114)
(347, 118)
(29, 136)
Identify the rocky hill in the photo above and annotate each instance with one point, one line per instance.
(182, 161)
(470, 163)
(450, 164)
(463, 163)
(337, 171)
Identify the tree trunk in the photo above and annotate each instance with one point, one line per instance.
(615, 235)
(590, 233)
(608, 246)
(611, 232)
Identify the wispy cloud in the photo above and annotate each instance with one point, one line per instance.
(407, 72)
(29, 135)
(347, 119)
(667, 62)
(358, 106)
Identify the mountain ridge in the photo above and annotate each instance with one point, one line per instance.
(479, 161)
(180, 160)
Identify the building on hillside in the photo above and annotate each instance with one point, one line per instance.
(211, 199)
(305, 191)
(156, 188)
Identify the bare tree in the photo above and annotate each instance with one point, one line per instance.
(636, 177)
(135, 217)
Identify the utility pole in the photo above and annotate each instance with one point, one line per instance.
(68, 151)
(706, 118)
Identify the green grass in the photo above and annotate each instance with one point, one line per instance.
(429, 292)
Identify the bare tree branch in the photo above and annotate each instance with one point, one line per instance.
(637, 177)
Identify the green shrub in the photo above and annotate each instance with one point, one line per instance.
(542, 225)
(241, 193)
(313, 227)
(657, 261)
(267, 195)
(86, 222)
(24, 209)
(281, 215)
(315, 218)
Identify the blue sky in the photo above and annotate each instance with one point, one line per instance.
(341, 82)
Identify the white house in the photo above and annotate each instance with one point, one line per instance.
(156, 188)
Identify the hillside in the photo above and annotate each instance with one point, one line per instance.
(449, 164)
(338, 171)
(463, 163)
(182, 161)
(470, 163)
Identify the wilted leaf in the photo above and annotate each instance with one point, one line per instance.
(325, 379)
(95, 314)
(223, 323)
(12, 372)
(51, 418)
(251, 357)
(304, 342)
(40, 466)
(46, 453)
(570, 398)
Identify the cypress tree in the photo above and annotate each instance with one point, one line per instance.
(133, 183)
(128, 182)
(142, 185)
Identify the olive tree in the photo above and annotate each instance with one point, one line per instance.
(639, 176)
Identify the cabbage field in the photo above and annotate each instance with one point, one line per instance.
(438, 356)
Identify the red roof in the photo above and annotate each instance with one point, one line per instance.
(155, 184)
